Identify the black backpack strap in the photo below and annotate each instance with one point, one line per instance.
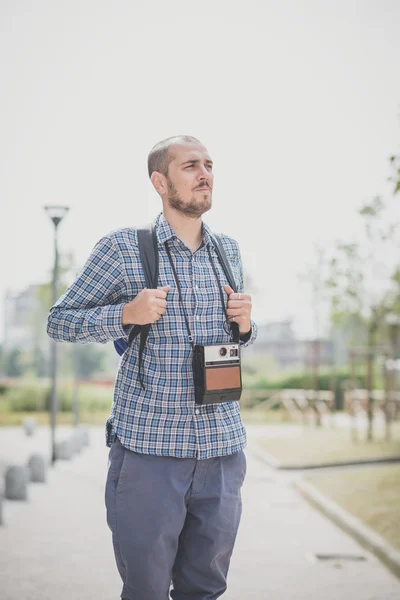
(148, 252)
(223, 259)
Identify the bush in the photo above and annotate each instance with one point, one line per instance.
(64, 396)
(3, 388)
(95, 399)
(32, 397)
(25, 398)
(304, 381)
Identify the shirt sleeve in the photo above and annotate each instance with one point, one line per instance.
(251, 336)
(90, 310)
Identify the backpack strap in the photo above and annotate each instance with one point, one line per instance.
(148, 252)
(223, 259)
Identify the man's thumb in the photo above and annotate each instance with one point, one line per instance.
(165, 288)
(228, 290)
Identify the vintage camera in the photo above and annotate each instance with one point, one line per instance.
(217, 373)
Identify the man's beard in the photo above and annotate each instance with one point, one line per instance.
(192, 209)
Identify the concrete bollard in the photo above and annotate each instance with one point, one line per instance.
(29, 425)
(85, 436)
(77, 441)
(16, 483)
(37, 469)
(64, 450)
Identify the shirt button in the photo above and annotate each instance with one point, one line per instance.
(197, 318)
(197, 411)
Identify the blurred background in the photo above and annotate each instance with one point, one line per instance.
(298, 103)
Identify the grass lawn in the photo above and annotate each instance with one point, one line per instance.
(98, 417)
(8, 419)
(370, 493)
(310, 446)
(266, 417)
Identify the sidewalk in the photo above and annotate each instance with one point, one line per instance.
(57, 546)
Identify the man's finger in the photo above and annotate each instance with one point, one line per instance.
(161, 292)
(236, 295)
(161, 303)
(234, 312)
(242, 303)
(228, 289)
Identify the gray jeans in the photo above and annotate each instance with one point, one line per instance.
(173, 520)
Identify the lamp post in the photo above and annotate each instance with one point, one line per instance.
(391, 366)
(56, 214)
(393, 322)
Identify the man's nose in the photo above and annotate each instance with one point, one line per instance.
(204, 174)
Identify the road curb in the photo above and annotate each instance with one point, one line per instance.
(351, 525)
(276, 464)
(262, 454)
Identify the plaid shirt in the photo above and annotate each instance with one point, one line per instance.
(163, 418)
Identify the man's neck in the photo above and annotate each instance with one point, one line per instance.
(188, 230)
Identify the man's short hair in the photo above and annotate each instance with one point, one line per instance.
(160, 156)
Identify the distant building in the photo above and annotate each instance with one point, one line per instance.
(22, 320)
(25, 321)
(279, 340)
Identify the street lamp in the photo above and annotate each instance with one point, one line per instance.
(56, 214)
(393, 322)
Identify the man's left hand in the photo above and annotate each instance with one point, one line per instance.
(239, 309)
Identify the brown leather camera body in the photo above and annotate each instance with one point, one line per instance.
(217, 373)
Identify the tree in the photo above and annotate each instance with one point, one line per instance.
(395, 163)
(361, 284)
(88, 360)
(314, 277)
(38, 321)
(13, 363)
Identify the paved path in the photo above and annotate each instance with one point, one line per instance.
(57, 545)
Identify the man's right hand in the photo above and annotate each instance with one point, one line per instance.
(147, 307)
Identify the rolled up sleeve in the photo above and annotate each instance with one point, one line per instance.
(90, 310)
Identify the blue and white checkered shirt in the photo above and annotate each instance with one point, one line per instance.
(163, 418)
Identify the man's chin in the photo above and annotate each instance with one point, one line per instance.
(203, 208)
(194, 210)
(195, 213)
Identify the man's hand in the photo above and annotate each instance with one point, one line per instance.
(239, 309)
(147, 307)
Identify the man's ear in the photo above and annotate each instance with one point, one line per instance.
(159, 182)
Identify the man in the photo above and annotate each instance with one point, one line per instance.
(175, 468)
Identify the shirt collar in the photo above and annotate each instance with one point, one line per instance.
(165, 232)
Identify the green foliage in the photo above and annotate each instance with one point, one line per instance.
(374, 209)
(27, 397)
(326, 381)
(395, 162)
(13, 363)
(355, 296)
(95, 398)
(19, 363)
(31, 397)
(88, 359)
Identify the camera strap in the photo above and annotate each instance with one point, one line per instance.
(191, 339)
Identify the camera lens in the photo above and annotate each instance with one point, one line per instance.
(222, 351)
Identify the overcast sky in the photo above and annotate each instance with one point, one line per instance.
(298, 103)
